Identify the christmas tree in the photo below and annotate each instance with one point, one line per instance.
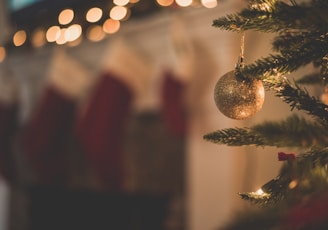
(298, 197)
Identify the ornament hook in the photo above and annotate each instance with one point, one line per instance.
(240, 63)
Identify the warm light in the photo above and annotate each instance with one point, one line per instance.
(259, 192)
(292, 184)
(121, 2)
(95, 33)
(73, 32)
(19, 38)
(134, 1)
(62, 38)
(66, 16)
(111, 26)
(53, 33)
(184, 3)
(2, 53)
(94, 14)
(38, 38)
(118, 12)
(209, 3)
(165, 2)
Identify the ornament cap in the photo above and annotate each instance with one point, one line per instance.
(240, 64)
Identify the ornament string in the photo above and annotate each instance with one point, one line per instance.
(240, 64)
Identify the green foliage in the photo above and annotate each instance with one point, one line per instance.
(301, 29)
(302, 34)
(294, 132)
(277, 16)
(306, 175)
(299, 98)
(235, 137)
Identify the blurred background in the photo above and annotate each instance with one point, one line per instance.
(104, 105)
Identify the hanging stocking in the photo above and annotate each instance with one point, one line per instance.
(50, 124)
(173, 106)
(101, 128)
(8, 125)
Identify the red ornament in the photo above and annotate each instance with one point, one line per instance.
(286, 156)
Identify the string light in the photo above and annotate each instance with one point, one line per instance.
(95, 33)
(118, 12)
(53, 33)
(38, 38)
(111, 26)
(61, 40)
(165, 2)
(259, 192)
(292, 184)
(209, 3)
(66, 16)
(2, 53)
(121, 2)
(19, 38)
(73, 32)
(183, 3)
(94, 14)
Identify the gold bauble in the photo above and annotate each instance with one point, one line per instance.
(237, 97)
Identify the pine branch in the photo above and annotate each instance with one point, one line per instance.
(300, 99)
(292, 132)
(290, 41)
(273, 192)
(295, 131)
(283, 64)
(273, 16)
(235, 137)
(298, 45)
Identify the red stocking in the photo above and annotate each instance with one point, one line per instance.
(100, 130)
(46, 133)
(173, 107)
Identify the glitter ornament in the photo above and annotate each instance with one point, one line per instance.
(237, 97)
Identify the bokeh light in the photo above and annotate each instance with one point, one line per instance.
(53, 33)
(95, 33)
(183, 3)
(165, 2)
(94, 14)
(111, 26)
(19, 38)
(118, 12)
(73, 32)
(121, 2)
(209, 3)
(62, 37)
(66, 16)
(2, 53)
(38, 38)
